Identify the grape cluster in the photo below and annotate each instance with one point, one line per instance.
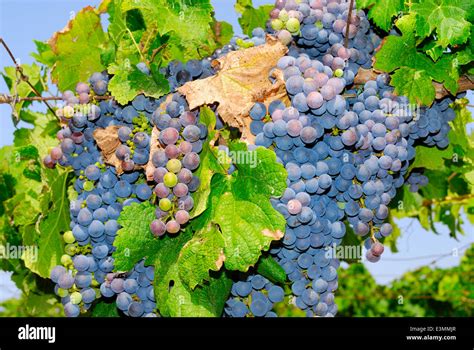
(180, 139)
(345, 159)
(346, 151)
(134, 292)
(102, 193)
(319, 28)
(255, 297)
(416, 180)
(178, 73)
(431, 124)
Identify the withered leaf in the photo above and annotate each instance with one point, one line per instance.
(242, 79)
(107, 140)
(154, 147)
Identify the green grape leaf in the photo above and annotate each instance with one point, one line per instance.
(433, 49)
(51, 224)
(134, 240)
(202, 253)
(170, 256)
(437, 187)
(270, 269)
(129, 82)
(382, 12)
(45, 54)
(239, 204)
(103, 309)
(223, 32)
(77, 49)
(190, 23)
(445, 17)
(24, 206)
(20, 88)
(241, 5)
(431, 157)
(210, 163)
(400, 52)
(42, 136)
(415, 84)
(254, 17)
(173, 297)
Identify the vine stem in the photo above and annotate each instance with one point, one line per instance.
(349, 18)
(23, 77)
(9, 99)
(464, 82)
(448, 199)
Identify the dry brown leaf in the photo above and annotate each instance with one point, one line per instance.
(242, 80)
(276, 235)
(154, 146)
(107, 140)
(220, 260)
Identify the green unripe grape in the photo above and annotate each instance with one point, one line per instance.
(66, 260)
(338, 73)
(165, 204)
(283, 16)
(277, 24)
(68, 112)
(76, 298)
(173, 165)
(293, 25)
(70, 249)
(94, 283)
(69, 237)
(63, 292)
(240, 42)
(170, 180)
(88, 186)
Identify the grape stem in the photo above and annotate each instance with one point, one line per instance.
(5, 98)
(23, 77)
(464, 83)
(448, 199)
(349, 15)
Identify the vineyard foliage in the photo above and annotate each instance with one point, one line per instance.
(428, 51)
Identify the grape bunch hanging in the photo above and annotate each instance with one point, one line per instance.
(346, 150)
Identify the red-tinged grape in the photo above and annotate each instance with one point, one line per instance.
(49, 162)
(182, 217)
(161, 190)
(180, 190)
(171, 151)
(56, 153)
(185, 176)
(191, 161)
(128, 165)
(185, 147)
(158, 228)
(172, 227)
(169, 136)
(371, 257)
(158, 174)
(377, 249)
